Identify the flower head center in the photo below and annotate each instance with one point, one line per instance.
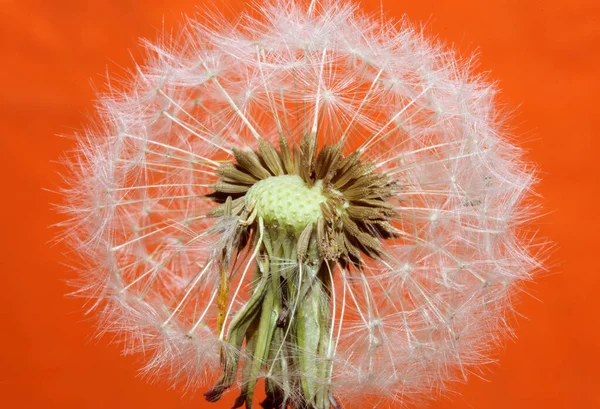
(335, 205)
(287, 201)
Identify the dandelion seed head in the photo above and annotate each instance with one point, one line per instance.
(328, 201)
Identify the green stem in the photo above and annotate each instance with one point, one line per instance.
(296, 348)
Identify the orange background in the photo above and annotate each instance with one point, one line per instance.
(546, 57)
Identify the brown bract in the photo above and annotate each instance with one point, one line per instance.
(356, 215)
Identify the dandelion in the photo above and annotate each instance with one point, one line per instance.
(310, 196)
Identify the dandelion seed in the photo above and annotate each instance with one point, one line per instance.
(313, 197)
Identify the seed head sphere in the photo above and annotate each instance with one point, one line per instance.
(311, 196)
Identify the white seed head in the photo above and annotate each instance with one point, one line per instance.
(379, 150)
